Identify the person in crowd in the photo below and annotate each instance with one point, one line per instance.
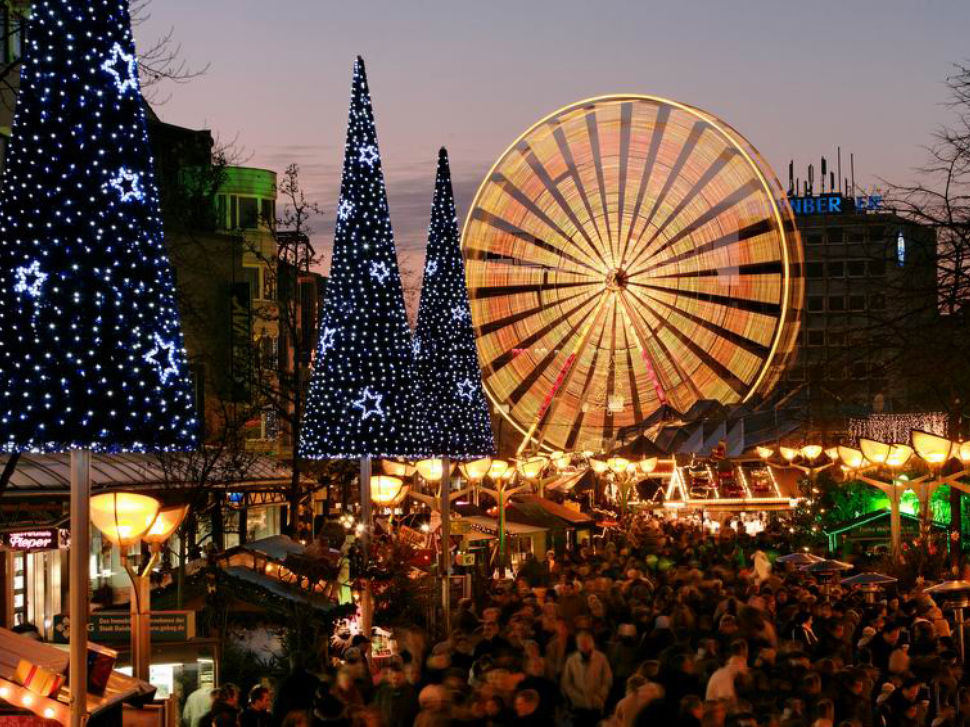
(586, 680)
(257, 712)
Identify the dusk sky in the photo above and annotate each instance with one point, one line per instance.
(797, 79)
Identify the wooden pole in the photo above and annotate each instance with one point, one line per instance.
(366, 521)
(79, 582)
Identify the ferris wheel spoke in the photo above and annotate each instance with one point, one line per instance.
(705, 179)
(711, 214)
(632, 378)
(533, 338)
(553, 189)
(592, 129)
(626, 130)
(504, 226)
(520, 288)
(743, 304)
(656, 137)
(579, 415)
(572, 171)
(756, 229)
(696, 132)
(649, 364)
(702, 355)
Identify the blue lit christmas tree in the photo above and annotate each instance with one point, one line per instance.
(454, 419)
(91, 352)
(361, 397)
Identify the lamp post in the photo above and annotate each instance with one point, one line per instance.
(531, 469)
(936, 451)
(809, 455)
(502, 475)
(475, 472)
(876, 455)
(439, 470)
(126, 519)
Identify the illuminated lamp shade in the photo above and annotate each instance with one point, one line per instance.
(617, 464)
(598, 466)
(386, 491)
(430, 469)
(899, 455)
(476, 470)
(965, 453)
(397, 469)
(648, 465)
(123, 517)
(788, 453)
(931, 448)
(764, 452)
(832, 453)
(811, 451)
(875, 452)
(588, 453)
(851, 458)
(562, 461)
(532, 468)
(498, 468)
(167, 520)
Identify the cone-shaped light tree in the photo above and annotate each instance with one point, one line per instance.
(361, 398)
(453, 420)
(91, 352)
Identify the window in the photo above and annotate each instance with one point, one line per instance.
(814, 270)
(814, 239)
(900, 249)
(857, 302)
(836, 303)
(248, 213)
(836, 338)
(856, 268)
(836, 269)
(267, 212)
(233, 213)
(835, 235)
(836, 372)
(221, 212)
(816, 303)
(251, 276)
(816, 338)
(877, 301)
(877, 268)
(857, 235)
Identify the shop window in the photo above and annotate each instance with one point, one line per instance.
(836, 269)
(856, 268)
(836, 303)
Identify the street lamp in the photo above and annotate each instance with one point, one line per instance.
(126, 519)
(648, 465)
(873, 454)
(387, 491)
(397, 469)
(935, 451)
(432, 470)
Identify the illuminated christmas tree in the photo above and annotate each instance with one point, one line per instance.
(91, 352)
(361, 398)
(453, 419)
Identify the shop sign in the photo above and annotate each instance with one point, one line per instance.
(112, 627)
(31, 541)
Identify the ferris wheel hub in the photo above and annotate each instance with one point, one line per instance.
(617, 279)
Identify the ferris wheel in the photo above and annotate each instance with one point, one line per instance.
(626, 253)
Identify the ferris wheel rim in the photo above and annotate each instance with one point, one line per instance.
(780, 212)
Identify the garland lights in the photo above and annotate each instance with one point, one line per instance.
(91, 351)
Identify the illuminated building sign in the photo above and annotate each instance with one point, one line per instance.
(835, 204)
(29, 541)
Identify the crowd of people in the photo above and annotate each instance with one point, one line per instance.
(656, 623)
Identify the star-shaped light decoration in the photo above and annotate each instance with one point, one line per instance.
(345, 209)
(416, 346)
(128, 185)
(123, 67)
(369, 155)
(431, 268)
(369, 404)
(163, 357)
(380, 271)
(327, 339)
(30, 279)
(466, 389)
(459, 313)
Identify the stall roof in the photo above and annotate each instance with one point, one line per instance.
(489, 524)
(50, 474)
(275, 547)
(14, 647)
(256, 586)
(573, 517)
(574, 482)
